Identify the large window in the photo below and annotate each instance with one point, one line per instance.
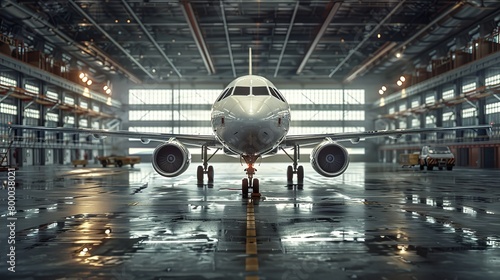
(324, 96)
(4, 80)
(188, 111)
(447, 94)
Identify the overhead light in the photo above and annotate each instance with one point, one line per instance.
(380, 91)
(108, 91)
(128, 20)
(153, 70)
(105, 87)
(81, 75)
(89, 82)
(398, 54)
(402, 78)
(399, 83)
(384, 88)
(116, 21)
(378, 35)
(85, 79)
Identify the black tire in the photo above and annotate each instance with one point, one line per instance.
(440, 168)
(449, 167)
(119, 163)
(131, 165)
(430, 167)
(289, 174)
(75, 165)
(421, 167)
(300, 175)
(84, 165)
(244, 188)
(199, 174)
(255, 185)
(104, 163)
(210, 174)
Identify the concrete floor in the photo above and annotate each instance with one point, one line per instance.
(376, 221)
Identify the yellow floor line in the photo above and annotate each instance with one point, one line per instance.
(252, 261)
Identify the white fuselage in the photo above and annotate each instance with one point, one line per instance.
(250, 117)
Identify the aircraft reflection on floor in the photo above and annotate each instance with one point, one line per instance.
(133, 224)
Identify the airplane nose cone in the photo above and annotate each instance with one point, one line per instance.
(252, 108)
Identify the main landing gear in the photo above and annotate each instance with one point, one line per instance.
(295, 169)
(250, 181)
(205, 169)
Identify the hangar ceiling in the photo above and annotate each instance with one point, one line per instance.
(153, 41)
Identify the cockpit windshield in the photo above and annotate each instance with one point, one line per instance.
(241, 91)
(260, 91)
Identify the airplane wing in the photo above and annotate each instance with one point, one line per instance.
(355, 137)
(188, 139)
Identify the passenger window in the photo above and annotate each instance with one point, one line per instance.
(241, 91)
(260, 91)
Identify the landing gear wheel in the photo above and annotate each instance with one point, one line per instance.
(210, 174)
(244, 188)
(255, 185)
(430, 167)
(199, 174)
(421, 167)
(449, 167)
(440, 168)
(119, 163)
(289, 175)
(300, 174)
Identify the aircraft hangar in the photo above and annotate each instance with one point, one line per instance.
(231, 139)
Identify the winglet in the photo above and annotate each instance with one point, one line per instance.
(249, 61)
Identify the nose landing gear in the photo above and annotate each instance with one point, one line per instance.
(250, 181)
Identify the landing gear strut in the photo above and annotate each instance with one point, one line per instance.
(205, 169)
(250, 181)
(295, 169)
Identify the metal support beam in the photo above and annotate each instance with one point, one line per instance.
(43, 28)
(471, 103)
(29, 104)
(367, 37)
(53, 107)
(289, 31)
(150, 37)
(9, 92)
(227, 37)
(96, 25)
(321, 31)
(187, 10)
(496, 96)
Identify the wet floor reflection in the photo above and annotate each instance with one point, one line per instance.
(375, 221)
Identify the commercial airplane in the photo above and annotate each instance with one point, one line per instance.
(250, 120)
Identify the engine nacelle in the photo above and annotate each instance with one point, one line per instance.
(329, 159)
(171, 159)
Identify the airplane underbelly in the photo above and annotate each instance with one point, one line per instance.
(254, 139)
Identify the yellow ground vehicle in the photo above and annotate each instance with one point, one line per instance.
(408, 160)
(119, 161)
(77, 162)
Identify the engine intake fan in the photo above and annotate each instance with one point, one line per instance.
(329, 159)
(171, 159)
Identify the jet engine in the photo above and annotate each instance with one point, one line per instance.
(329, 159)
(171, 159)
